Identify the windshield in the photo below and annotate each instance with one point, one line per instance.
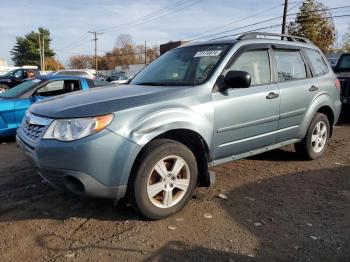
(344, 63)
(20, 89)
(186, 66)
(11, 73)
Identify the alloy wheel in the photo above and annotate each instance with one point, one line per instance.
(168, 181)
(319, 137)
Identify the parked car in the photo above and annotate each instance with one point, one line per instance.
(199, 105)
(15, 77)
(87, 73)
(16, 101)
(122, 80)
(333, 61)
(342, 70)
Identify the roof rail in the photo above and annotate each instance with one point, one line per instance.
(255, 35)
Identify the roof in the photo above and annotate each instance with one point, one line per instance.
(59, 77)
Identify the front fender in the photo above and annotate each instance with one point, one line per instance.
(157, 123)
(323, 100)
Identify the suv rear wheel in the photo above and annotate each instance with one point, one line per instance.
(316, 140)
(3, 88)
(165, 179)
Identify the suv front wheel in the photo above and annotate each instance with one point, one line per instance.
(165, 179)
(316, 140)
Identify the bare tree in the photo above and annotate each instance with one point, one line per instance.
(80, 61)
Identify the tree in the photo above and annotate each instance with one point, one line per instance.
(52, 64)
(125, 52)
(345, 46)
(314, 22)
(124, 40)
(81, 61)
(26, 50)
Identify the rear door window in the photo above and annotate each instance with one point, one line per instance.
(256, 63)
(290, 65)
(59, 87)
(318, 64)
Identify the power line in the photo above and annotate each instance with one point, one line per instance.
(83, 37)
(178, 6)
(147, 15)
(273, 26)
(245, 32)
(184, 3)
(239, 20)
(246, 18)
(261, 22)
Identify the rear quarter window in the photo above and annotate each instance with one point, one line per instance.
(318, 64)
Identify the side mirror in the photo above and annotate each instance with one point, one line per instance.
(237, 79)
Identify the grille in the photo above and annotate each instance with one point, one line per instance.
(33, 132)
(33, 128)
(345, 87)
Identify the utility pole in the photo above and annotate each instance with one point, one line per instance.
(44, 69)
(94, 33)
(40, 52)
(145, 53)
(284, 17)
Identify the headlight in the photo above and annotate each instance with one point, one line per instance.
(76, 128)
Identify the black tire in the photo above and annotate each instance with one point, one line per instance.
(3, 88)
(154, 152)
(305, 148)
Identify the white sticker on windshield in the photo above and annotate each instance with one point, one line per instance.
(36, 80)
(208, 53)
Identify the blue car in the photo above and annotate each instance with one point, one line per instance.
(15, 102)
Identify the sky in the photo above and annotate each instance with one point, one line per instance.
(156, 21)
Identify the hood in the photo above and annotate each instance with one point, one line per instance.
(100, 101)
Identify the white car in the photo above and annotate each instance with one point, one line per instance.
(122, 80)
(87, 73)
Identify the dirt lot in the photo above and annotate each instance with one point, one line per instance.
(279, 208)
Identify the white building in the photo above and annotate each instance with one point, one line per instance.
(3, 62)
(130, 70)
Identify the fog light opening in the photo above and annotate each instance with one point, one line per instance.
(74, 185)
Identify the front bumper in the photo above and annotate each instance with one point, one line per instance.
(97, 166)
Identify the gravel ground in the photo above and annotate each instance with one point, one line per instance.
(278, 208)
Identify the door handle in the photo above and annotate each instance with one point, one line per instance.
(313, 88)
(272, 95)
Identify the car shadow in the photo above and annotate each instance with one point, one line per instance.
(298, 217)
(8, 139)
(280, 154)
(36, 199)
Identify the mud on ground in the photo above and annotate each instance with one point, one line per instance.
(278, 208)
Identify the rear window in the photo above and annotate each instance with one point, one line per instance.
(290, 65)
(319, 66)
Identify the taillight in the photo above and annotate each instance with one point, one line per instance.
(337, 84)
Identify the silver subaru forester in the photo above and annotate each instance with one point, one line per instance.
(199, 105)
